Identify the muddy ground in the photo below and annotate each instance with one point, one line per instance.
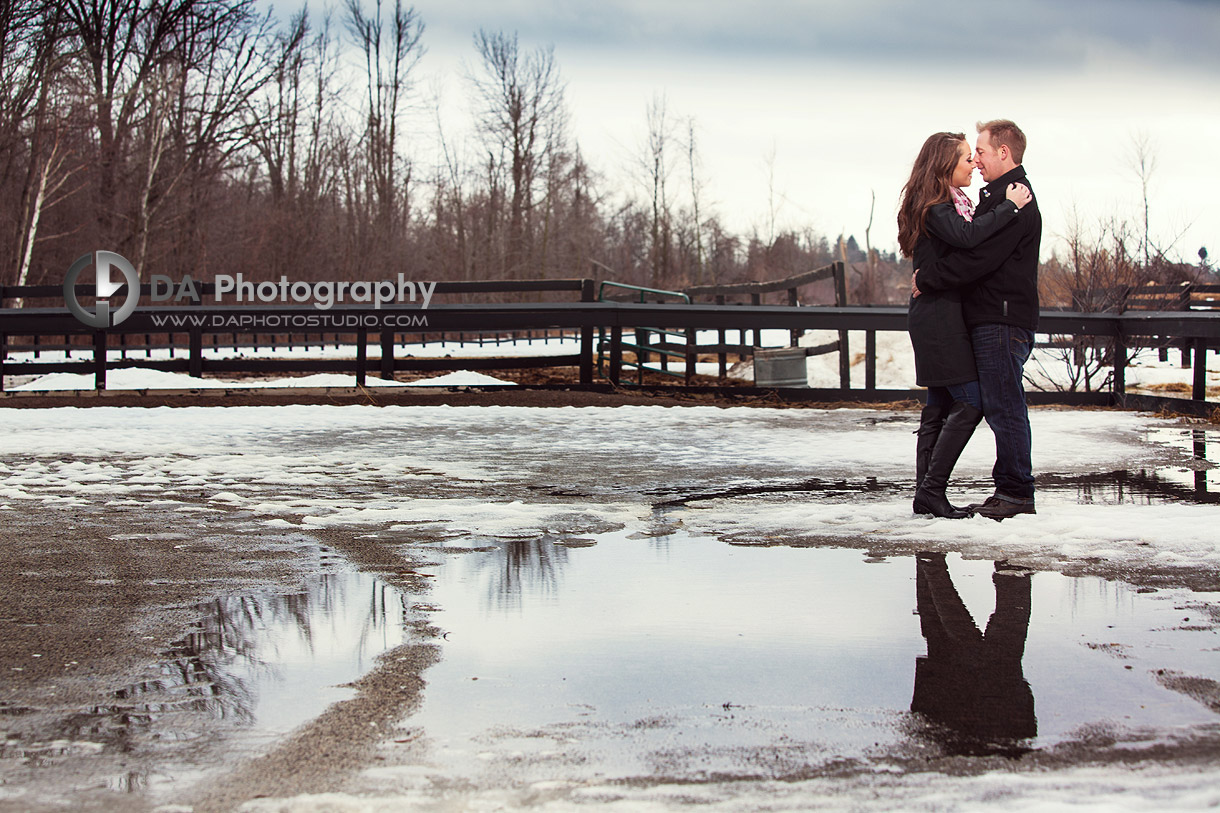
(90, 621)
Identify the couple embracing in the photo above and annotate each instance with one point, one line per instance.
(973, 311)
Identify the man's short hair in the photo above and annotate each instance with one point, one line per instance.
(1005, 132)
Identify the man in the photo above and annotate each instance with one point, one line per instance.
(999, 288)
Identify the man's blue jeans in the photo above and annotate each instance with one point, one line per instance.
(967, 393)
(1000, 353)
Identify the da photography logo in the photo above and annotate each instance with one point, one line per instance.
(104, 287)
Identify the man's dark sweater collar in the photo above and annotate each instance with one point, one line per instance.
(1000, 185)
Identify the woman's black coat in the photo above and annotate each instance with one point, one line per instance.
(943, 353)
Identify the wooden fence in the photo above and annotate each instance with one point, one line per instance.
(389, 327)
(1186, 296)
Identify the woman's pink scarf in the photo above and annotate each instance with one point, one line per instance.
(965, 207)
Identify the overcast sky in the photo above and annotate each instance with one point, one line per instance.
(824, 104)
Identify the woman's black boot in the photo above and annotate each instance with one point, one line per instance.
(954, 435)
(931, 420)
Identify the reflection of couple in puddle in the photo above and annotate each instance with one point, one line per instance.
(970, 684)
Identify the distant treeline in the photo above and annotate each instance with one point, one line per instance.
(201, 137)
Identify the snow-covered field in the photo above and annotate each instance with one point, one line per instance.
(468, 472)
(1046, 370)
(144, 379)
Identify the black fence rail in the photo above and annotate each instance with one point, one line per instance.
(170, 331)
(581, 286)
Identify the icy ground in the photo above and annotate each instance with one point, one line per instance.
(511, 472)
(473, 475)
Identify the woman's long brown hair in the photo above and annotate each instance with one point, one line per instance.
(931, 179)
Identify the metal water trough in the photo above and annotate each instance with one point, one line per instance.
(780, 367)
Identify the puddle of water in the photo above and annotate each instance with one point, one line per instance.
(1203, 477)
(262, 664)
(286, 658)
(682, 655)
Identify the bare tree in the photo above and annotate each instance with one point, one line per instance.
(772, 206)
(449, 205)
(162, 77)
(696, 196)
(273, 120)
(390, 49)
(162, 87)
(224, 60)
(120, 44)
(659, 166)
(317, 178)
(1098, 273)
(869, 288)
(557, 165)
(36, 156)
(1143, 163)
(521, 113)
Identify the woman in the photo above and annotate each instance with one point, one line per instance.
(935, 218)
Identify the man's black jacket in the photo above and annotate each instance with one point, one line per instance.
(998, 279)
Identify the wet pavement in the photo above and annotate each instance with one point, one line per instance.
(628, 660)
(568, 658)
(686, 657)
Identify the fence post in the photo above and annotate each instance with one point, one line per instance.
(1199, 390)
(692, 357)
(1120, 370)
(844, 361)
(794, 335)
(387, 355)
(586, 354)
(99, 360)
(870, 360)
(362, 353)
(616, 354)
(756, 299)
(1200, 448)
(840, 276)
(4, 352)
(196, 363)
(642, 356)
(722, 336)
(587, 294)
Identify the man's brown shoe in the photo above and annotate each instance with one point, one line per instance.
(1000, 508)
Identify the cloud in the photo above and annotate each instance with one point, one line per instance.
(1038, 34)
